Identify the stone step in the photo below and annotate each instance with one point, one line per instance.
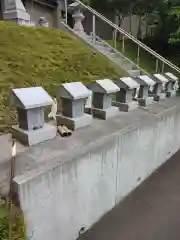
(135, 73)
(119, 59)
(115, 56)
(104, 48)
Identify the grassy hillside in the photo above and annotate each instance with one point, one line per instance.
(46, 57)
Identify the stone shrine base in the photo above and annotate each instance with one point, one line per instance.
(145, 102)
(34, 137)
(74, 123)
(171, 94)
(126, 107)
(105, 113)
(158, 97)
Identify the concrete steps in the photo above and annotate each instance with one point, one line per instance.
(110, 52)
(113, 54)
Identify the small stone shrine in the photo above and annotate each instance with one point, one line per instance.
(43, 22)
(159, 90)
(166, 84)
(73, 98)
(102, 98)
(15, 11)
(30, 103)
(143, 95)
(124, 99)
(173, 84)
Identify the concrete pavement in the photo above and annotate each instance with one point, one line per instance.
(151, 212)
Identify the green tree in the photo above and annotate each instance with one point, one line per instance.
(115, 8)
(144, 9)
(175, 36)
(166, 29)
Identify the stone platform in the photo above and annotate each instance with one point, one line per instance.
(105, 113)
(145, 102)
(74, 123)
(126, 107)
(108, 158)
(33, 137)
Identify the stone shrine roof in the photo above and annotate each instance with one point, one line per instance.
(73, 90)
(28, 98)
(160, 77)
(147, 80)
(104, 86)
(171, 76)
(127, 82)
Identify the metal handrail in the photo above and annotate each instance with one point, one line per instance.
(139, 43)
(105, 43)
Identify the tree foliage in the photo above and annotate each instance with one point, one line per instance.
(144, 9)
(139, 7)
(161, 18)
(175, 13)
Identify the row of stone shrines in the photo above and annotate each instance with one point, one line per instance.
(80, 103)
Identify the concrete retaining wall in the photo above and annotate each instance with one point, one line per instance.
(76, 193)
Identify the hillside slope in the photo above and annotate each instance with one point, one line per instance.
(46, 57)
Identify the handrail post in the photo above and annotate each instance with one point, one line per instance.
(66, 11)
(115, 39)
(116, 20)
(138, 55)
(94, 29)
(163, 67)
(123, 46)
(157, 65)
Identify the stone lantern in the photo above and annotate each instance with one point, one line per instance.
(76, 10)
(30, 103)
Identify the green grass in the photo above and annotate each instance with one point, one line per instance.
(18, 229)
(47, 57)
(2, 211)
